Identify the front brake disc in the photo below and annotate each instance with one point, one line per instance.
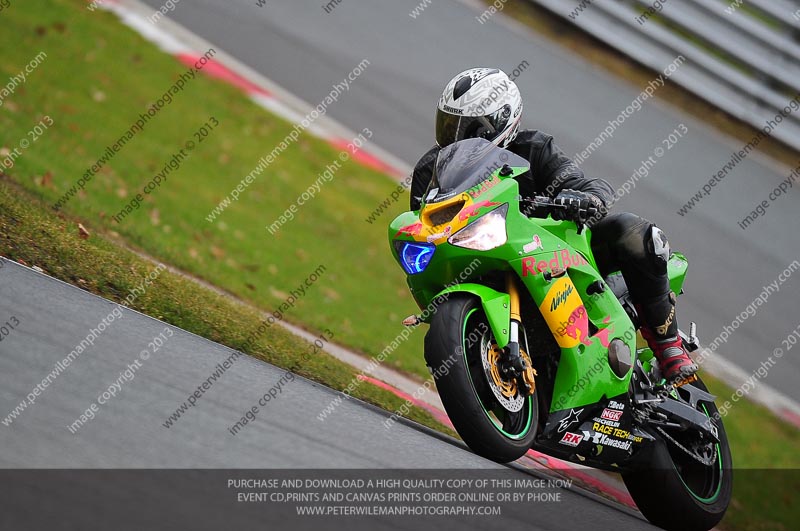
(505, 391)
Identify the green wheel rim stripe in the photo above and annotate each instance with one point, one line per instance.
(493, 421)
(714, 496)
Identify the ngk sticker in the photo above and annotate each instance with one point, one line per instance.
(611, 414)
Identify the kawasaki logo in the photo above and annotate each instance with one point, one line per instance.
(559, 299)
(605, 440)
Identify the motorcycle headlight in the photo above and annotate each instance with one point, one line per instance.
(485, 233)
(414, 256)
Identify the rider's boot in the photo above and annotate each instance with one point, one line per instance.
(663, 339)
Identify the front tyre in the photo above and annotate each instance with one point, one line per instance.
(677, 492)
(488, 412)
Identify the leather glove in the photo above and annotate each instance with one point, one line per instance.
(578, 206)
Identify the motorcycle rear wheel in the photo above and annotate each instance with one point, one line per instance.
(459, 336)
(677, 492)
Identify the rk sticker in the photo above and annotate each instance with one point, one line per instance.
(571, 439)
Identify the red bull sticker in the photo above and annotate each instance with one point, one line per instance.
(562, 259)
(472, 210)
(475, 191)
(411, 230)
(575, 327)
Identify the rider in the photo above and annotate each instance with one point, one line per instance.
(484, 102)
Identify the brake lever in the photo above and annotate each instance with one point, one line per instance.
(584, 216)
(538, 202)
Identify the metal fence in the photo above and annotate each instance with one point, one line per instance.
(741, 55)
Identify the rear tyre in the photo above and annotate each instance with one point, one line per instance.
(678, 492)
(459, 351)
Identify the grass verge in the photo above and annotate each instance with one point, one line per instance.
(30, 233)
(99, 76)
(766, 477)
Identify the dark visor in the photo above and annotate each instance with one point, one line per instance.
(452, 127)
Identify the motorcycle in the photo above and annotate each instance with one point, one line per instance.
(530, 347)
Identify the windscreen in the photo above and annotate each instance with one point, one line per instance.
(464, 164)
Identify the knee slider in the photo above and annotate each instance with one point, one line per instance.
(658, 245)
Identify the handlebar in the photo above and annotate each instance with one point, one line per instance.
(542, 206)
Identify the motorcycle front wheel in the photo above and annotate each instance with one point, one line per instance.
(487, 411)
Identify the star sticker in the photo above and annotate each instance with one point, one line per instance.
(570, 419)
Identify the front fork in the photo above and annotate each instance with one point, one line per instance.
(518, 365)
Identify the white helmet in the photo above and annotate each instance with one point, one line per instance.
(479, 103)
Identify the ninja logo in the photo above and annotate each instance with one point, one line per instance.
(559, 299)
